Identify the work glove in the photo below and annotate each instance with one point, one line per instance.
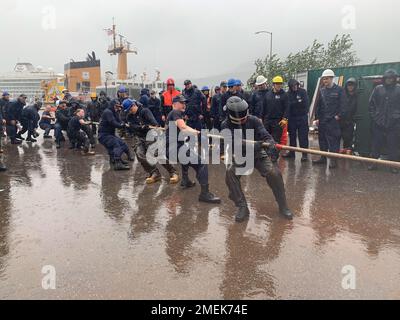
(283, 123)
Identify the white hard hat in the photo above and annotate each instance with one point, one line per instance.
(261, 80)
(57, 103)
(328, 73)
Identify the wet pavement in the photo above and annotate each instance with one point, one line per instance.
(110, 236)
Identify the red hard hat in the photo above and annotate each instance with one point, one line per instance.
(170, 82)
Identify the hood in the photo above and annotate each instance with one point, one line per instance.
(292, 83)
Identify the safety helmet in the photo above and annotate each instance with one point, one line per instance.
(170, 82)
(238, 110)
(6, 94)
(231, 83)
(93, 95)
(277, 79)
(128, 104)
(122, 89)
(187, 82)
(328, 73)
(261, 80)
(205, 88)
(238, 83)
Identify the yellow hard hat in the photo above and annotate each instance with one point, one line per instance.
(93, 95)
(277, 79)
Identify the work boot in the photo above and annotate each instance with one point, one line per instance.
(174, 178)
(289, 155)
(333, 164)
(119, 166)
(186, 183)
(16, 142)
(46, 137)
(243, 214)
(278, 188)
(155, 177)
(19, 136)
(321, 161)
(207, 196)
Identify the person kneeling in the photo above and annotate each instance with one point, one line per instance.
(76, 133)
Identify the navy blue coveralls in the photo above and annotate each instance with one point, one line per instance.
(299, 108)
(330, 104)
(110, 121)
(277, 109)
(196, 106)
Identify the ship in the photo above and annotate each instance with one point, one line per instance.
(35, 82)
(121, 48)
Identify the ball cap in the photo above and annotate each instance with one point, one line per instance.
(180, 99)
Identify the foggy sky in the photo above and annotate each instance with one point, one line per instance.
(190, 39)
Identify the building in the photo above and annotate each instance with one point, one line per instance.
(83, 76)
(26, 79)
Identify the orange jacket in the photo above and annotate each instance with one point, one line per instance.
(168, 96)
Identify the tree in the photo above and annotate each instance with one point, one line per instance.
(338, 53)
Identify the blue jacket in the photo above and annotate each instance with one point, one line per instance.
(14, 111)
(110, 121)
(30, 113)
(331, 103)
(277, 106)
(384, 106)
(258, 103)
(196, 104)
(216, 106)
(299, 104)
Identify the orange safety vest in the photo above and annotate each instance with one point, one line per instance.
(169, 96)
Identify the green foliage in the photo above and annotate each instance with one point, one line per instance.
(338, 53)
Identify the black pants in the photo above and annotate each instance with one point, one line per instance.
(140, 147)
(347, 130)
(298, 128)
(79, 139)
(274, 129)
(267, 170)
(389, 137)
(47, 127)
(11, 130)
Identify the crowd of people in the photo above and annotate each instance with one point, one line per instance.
(269, 111)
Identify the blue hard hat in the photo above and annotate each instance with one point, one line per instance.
(122, 89)
(205, 88)
(238, 82)
(128, 104)
(5, 94)
(231, 82)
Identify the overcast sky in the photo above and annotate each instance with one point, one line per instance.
(190, 39)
